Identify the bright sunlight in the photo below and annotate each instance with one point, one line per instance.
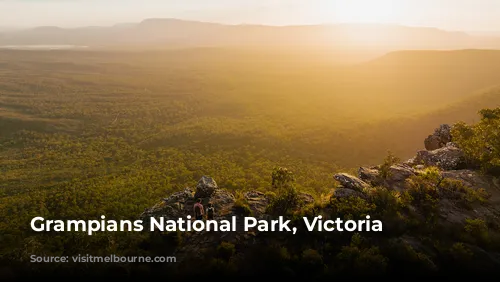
(365, 11)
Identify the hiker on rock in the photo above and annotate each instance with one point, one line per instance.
(210, 211)
(198, 210)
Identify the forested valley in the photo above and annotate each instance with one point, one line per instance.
(87, 133)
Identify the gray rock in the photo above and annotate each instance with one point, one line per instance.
(257, 201)
(439, 138)
(346, 193)
(446, 158)
(398, 174)
(222, 200)
(395, 180)
(369, 175)
(205, 187)
(305, 198)
(351, 182)
(475, 180)
(410, 162)
(177, 205)
(432, 142)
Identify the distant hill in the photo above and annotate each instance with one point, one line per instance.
(403, 79)
(193, 33)
(429, 58)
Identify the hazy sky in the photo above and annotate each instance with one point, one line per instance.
(468, 15)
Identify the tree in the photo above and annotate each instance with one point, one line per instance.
(480, 142)
(286, 193)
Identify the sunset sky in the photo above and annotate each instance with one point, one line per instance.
(467, 15)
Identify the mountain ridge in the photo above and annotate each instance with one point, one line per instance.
(199, 33)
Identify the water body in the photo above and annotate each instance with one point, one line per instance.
(41, 47)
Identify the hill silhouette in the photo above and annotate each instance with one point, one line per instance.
(193, 33)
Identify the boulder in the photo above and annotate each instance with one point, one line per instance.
(222, 200)
(439, 138)
(177, 205)
(369, 175)
(346, 193)
(477, 180)
(205, 187)
(396, 180)
(305, 198)
(351, 182)
(180, 197)
(432, 142)
(446, 158)
(257, 201)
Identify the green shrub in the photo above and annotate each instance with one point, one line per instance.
(461, 253)
(286, 198)
(270, 195)
(351, 207)
(242, 208)
(481, 141)
(386, 201)
(312, 261)
(225, 251)
(423, 192)
(358, 260)
(456, 190)
(312, 257)
(403, 254)
(390, 160)
(477, 230)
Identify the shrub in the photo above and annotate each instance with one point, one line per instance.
(225, 251)
(460, 252)
(386, 201)
(390, 160)
(477, 230)
(286, 194)
(423, 192)
(312, 260)
(281, 177)
(241, 208)
(404, 255)
(351, 207)
(481, 142)
(456, 190)
(356, 259)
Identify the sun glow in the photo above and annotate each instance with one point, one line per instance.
(365, 11)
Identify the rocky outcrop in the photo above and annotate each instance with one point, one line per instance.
(346, 193)
(439, 138)
(440, 153)
(180, 204)
(394, 179)
(257, 201)
(351, 182)
(370, 175)
(397, 176)
(449, 157)
(176, 205)
(206, 187)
